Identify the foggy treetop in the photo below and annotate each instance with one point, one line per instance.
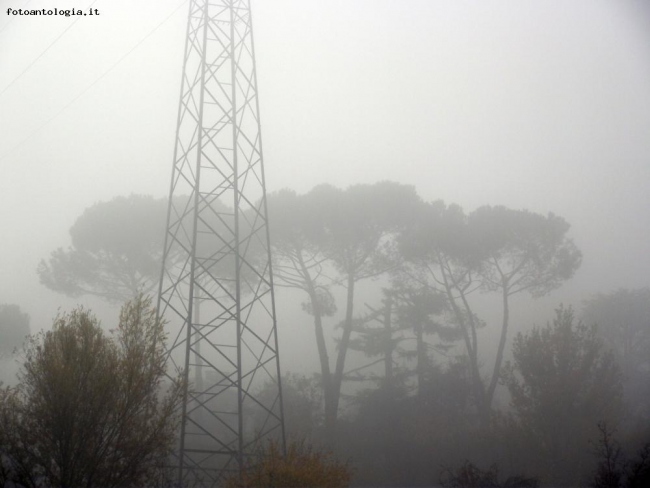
(532, 106)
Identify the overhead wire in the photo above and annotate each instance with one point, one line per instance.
(43, 53)
(97, 80)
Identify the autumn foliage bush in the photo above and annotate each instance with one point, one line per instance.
(302, 466)
(90, 409)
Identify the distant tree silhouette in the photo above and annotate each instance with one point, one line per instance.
(14, 328)
(562, 383)
(623, 321)
(116, 251)
(331, 237)
(493, 249)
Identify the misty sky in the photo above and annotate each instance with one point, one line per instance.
(543, 105)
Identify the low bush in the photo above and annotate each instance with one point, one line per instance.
(302, 466)
(614, 470)
(468, 475)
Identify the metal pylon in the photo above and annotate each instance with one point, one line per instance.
(216, 290)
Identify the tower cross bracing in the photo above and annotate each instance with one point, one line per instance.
(216, 289)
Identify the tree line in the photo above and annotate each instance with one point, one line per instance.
(430, 395)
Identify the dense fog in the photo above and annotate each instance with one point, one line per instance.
(496, 154)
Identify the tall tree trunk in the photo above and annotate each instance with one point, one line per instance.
(329, 396)
(471, 344)
(483, 404)
(421, 352)
(337, 380)
(496, 373)
(388, 342)
(326, 375)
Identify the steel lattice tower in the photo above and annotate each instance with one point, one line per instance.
(216, 290)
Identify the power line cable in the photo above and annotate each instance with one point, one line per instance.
(43, 53)
(39, 128)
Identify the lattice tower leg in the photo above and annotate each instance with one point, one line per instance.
(217, 254)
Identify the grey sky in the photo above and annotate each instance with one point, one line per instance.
(543, 105)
